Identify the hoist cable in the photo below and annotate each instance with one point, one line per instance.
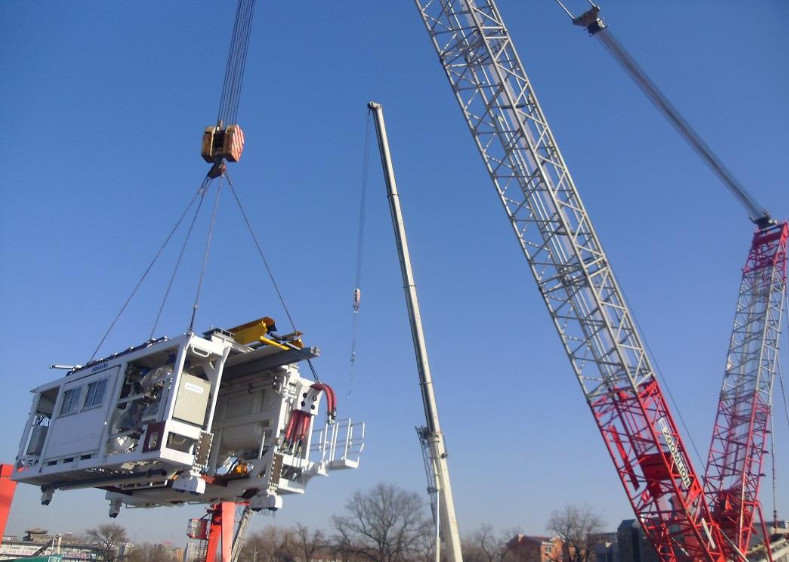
(148, 269)
(772, 468)
(360, 240)
(236, 63)
(260, 252)
(756, 213)
(772, 418)
(206, 183)
(267, 266)
(665, 384)
(205, 256)
(234, 68)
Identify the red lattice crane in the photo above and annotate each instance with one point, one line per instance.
(577, 284)
(739, 439)
(736, 456)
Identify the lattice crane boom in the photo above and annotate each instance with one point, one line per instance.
(573, 275)
(736, 455)
(739, 439)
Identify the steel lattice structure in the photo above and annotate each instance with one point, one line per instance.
(736, 455)
(573, 275)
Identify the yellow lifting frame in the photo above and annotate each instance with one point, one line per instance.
(256, 330)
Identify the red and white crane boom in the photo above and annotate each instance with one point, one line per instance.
(739, 439)
(573, 276)
(736, 456)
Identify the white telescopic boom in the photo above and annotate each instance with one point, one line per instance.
(446, 509)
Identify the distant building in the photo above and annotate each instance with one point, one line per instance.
(633, 544)
(606, 547)
(525, 548)
(195, 550)
(40, 544)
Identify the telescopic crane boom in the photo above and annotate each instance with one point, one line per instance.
(573, 276)
(431, 434)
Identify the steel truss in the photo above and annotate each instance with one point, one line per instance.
(734, 468)
(573, 275)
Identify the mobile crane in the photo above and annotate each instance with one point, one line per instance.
(430, 436)
(736, 454)
(574, 277)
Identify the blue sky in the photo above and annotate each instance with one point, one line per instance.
(104, 104)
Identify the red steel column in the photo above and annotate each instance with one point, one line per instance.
(7, 487)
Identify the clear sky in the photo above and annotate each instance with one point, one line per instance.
(103, 105)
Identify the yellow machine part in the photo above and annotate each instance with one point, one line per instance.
(256, 331)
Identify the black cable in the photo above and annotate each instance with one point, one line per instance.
(205, 256)
(236, 62)
(268, 267)
(260, 252)
(148, 269)
(360, 236)
(203, 188)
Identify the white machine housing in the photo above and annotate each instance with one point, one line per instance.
(191, 419)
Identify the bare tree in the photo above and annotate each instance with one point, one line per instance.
(308, 543)
(273, 544)
(385, 524)
(486, 545)
(577, 527)
(108, 537)
(148, 552)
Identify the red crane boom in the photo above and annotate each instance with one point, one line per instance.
(573, 276)
(736, 456)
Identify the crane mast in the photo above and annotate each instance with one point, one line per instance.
(573, 276)
(431, 435)
(736, 456)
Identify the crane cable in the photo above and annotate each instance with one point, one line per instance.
(228, 111)
(266, 264)
(597, 28)
(156, 257)
(236, 62)
(772, 421)
(663, 380)
(360, 243)
(201, 193)
(203, 265)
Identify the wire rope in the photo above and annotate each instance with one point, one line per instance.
(360, 240)
(658, 371)
(261, 254)
(205, 186)
(236, 62)
(207, 250)
(268, 267)
(772, 420)
(148, 269)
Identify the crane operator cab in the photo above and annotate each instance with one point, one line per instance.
(225, 416)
